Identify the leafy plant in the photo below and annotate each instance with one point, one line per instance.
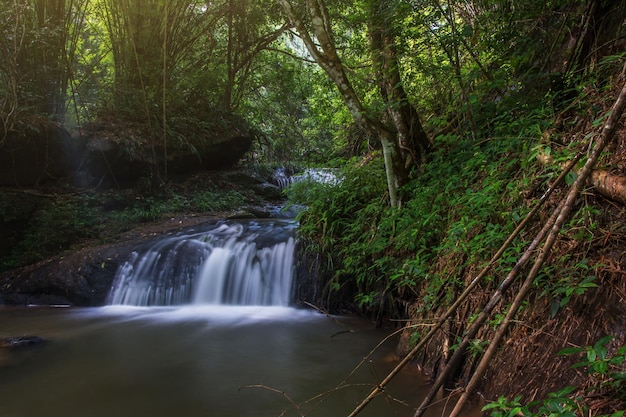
(212, 201)
(600, 364)
(565, 282)
(503, 407)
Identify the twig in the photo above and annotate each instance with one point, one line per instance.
(470, 287)
(283, 393)
(607, 134)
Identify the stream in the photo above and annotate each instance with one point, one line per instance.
(200, 323)
(216, 361)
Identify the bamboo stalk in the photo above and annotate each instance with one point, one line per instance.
(486, 313)
(607, 134)
(470, 287)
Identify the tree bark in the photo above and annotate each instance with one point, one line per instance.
(407, 138)
(609, 185)
(412, 139)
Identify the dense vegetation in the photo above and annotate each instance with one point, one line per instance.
(446, 122)
(482, 178)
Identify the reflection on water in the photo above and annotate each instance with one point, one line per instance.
(213, 361)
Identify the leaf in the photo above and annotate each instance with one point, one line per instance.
(555, 306)
(570, 351)
(603, 341)
(467, 31)
(601, 367)
(570, 177)
(591, 355)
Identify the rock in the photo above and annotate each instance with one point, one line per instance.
(111, 152)
(120, 151)
(20, 341)
(39, 152)
(82, 278)
(10, 344)
(108, 162)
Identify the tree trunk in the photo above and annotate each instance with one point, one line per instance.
(406, 138)
(412, 139)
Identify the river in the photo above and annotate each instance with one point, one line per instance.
(214, 361)
(201, 323)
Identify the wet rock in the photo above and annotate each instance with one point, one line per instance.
(20, 341)
(82, 278)
(39, 152)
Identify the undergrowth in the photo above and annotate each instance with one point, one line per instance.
(604, 370)
(463, 203)
(457, 211)
(35, 227)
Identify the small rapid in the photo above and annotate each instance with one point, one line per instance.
(238, 262)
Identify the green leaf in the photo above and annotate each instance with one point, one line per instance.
(570, 351)
(570, 177)
(591, 355)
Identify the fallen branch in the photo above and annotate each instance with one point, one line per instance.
(563, 213)
(609, 185)
(468, 290)
(486, 313)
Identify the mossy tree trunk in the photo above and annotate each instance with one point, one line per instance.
(404, 142)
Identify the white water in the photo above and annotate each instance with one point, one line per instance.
(236, 263)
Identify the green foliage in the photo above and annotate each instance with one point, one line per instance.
(46, 225)
(54, 227)
(462, 205)
(563, 280)
(503, 407)
(343, 217)
(212, 201)
(558, 404)
(606, 368)
(600, 365)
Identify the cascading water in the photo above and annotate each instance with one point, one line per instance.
(236, 263)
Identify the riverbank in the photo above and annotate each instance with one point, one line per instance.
(62, 245)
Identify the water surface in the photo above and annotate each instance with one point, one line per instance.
(217, 361)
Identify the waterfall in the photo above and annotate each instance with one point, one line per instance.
(235, 263)
(282, 179)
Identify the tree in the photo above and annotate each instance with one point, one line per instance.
(38, 40)
(404, 142)
(150, 41)
(383, 30)
(250, 31)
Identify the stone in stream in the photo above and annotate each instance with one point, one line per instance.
(20, 341)
(9, 344)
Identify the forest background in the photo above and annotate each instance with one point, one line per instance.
(447, 123)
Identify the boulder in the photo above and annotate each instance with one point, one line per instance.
(39, 152)
(82, 278)
(112, 151)
(121, 151)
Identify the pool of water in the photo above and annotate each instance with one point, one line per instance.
(217, 361)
